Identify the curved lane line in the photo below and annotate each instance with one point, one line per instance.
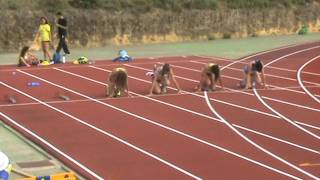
(190, 111)
(234, 105)
(252, 142)
(163, 126)
(300, 81)
(249, 140)
(98, 129)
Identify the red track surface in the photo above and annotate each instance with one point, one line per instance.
(173, 136)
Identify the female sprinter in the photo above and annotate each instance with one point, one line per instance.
(161, 79)
(210, 74)
(253, 73)
(118, 83)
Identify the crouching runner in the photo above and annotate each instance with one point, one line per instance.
(210, 74)
(118, 83)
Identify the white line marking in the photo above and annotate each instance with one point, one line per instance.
(234, 105)
(249, 109)
(102, 131)
(242, 107)
(282, 116)
(308, 125)
(297, 52)
(300, 81)
(286, 78)
(231, 60)
(167, 128)
(269, 98)
(277, 139)
(51, 146)
(187, 110)
(276, 112)
(252, 142)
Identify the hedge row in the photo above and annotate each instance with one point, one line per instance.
(147, 5)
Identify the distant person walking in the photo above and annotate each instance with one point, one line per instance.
(44, 33)
(62, 34)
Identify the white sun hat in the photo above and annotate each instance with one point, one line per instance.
(4, 161)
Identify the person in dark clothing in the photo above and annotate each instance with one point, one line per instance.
(62, 33)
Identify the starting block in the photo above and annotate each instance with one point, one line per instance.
(64, 97)
(12, 99)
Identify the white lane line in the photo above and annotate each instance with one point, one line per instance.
(234, 105)
(277, 139)
(286, 78)
(167, 128)
(278, 113)
(265, 97)
(96, 128)
(77, 163)
(296, 52)
(252, 142)
(187, 110)
(308, 125)
(194, 94)
(242, 107)
(146, 97)
(269, 67)
(283, 117)
(300, 81)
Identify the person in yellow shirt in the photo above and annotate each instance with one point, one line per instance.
(44, 33)
(118, 83)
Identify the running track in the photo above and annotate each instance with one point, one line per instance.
(228, 134)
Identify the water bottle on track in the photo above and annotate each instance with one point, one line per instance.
(33, 84)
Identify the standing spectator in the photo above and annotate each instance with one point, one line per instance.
(62, 34)
(44, 33)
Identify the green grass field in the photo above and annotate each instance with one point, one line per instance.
(229, 48)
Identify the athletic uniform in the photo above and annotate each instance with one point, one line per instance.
(215, 70)
(161, 78)
(253, 73)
